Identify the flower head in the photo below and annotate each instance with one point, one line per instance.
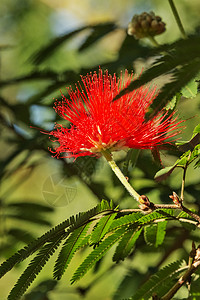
(145, 25)
(98, 123)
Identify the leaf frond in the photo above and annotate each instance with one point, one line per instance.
(97, 254)
(22, 254)
(71, 245)
(126, 244)
(125, 220)
(35, 267)
(73, 222)
(159, 282)
(101, 228)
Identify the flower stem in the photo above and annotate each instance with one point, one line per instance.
(120, 175)
(153, 41)
(177, 18)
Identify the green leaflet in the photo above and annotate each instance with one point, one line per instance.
(173, 103)
(158, 214)
(101, 228)
(160, 282)
(97, 254)
(41, 55)
(155, 234)
(83, 217)
(35, 267)
(71, 245)
(125, 220)
(161, 231)
(20, 235)
(190, 90)
(128, 285)
(126, 244)
(196, 130)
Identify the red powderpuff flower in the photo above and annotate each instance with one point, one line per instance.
(99, 123)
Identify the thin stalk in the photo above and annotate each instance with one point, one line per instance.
(183, 183)
(153, 41)
(189, 212)
(177, 18)
(120, 175)
(181, 207)
(181, 281)
(184, 176)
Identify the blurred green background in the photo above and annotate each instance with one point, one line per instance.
(38, 191)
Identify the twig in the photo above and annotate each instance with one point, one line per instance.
(189, 212)
(192, 267)
(177, 18)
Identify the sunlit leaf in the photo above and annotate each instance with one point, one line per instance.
(190, 90)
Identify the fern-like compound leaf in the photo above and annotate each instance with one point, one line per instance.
(98, 253)
(160, 282)
(71, 245)
(72, 223)
(126, 244)
(32, 247)
(101, 228)
(35, 267)
(156, 215)
(125, 220)
(155, 234)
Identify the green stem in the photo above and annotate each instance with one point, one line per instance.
(177, 18)
(153, 41)
(120, 175)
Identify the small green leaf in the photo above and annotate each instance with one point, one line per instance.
(101, 228)
(150, 234)
(197, 164)
(160, 234)
(164, 173)
(186, 159)
(190, 90)
(126, 244)
(196, 129)
(173, 103)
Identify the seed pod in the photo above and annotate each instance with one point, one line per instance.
(145, 25)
